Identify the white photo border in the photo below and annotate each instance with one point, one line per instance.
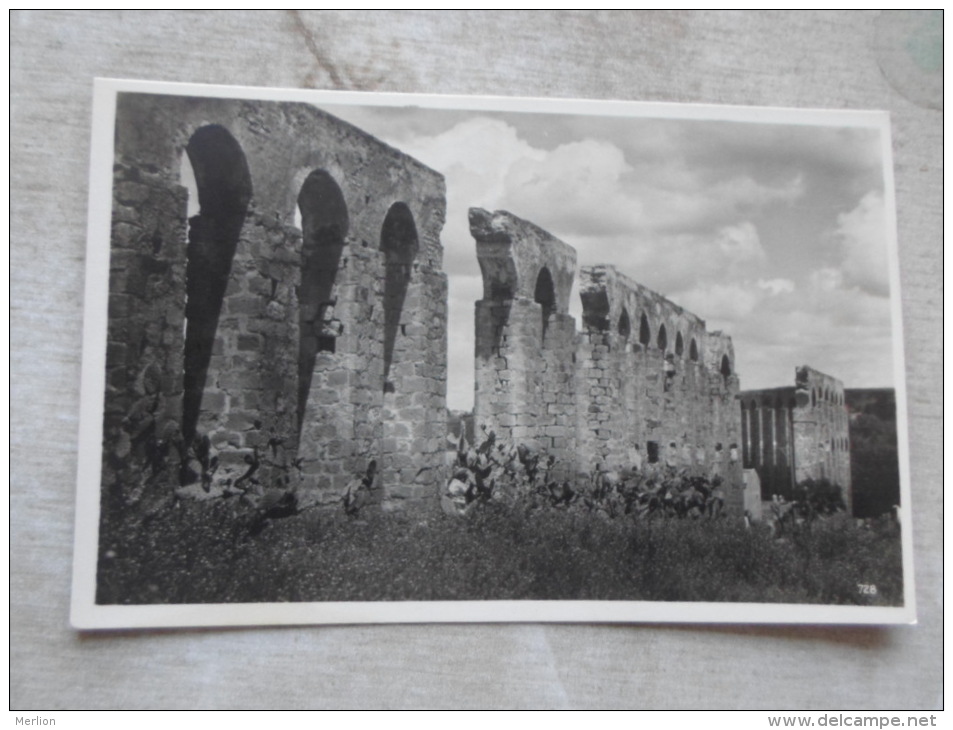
(86, 614)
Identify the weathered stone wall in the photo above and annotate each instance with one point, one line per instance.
(797, 433)
(642, 382)
(524, 335)
(657, 385)
(143, 397)
(298, 320)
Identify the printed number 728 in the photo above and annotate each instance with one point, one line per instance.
(867, 589)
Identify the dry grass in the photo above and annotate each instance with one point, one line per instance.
(196, 553)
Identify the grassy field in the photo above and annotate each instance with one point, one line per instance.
(218, 552)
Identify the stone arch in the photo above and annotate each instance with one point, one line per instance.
(725, 368)
(662, 340)
(545, 295)
(224, 189)
(324, 226)
(645, 331)
(625, 325)
(693, 351)
(679, 344)
(813, 398)
(400, 245)
(595, 310)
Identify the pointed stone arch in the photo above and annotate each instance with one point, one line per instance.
(645, 331)
(662, 339)
(625, 325)
(679, 344)
(545, 295)
(693, 351)
(324, 227)
(595, 310)
(224, 191)
(400, 245)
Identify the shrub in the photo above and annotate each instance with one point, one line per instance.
(521, 534)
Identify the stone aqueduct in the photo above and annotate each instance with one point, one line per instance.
(642, 381)
(308, 349)
(299, 321)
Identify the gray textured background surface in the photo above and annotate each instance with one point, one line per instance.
(800, 59)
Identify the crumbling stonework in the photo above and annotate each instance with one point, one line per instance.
(525, 336)
(300, 351)
(642, 382)
(796, 433)
(663, 383)
(294, 329)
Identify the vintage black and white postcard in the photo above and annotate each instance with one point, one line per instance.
(382, 358)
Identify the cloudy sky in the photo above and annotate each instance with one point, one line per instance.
(775, 233)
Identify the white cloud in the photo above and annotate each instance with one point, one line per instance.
(862, 236)
(776, 326)
(826, 279)
(688, 228)
(721, 305)
(740, 243)
(578, 188)
(587, 193)
(776, 286)
(839, 331)
(475, 157)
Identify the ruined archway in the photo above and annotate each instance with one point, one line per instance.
(324, 225)
(224, 191)
(400, 245)
(679, 344)
(645, 332)
(595, 309)
(693, 351)
(725, 368)
(625, 326)
(545, 296)
(662, 340)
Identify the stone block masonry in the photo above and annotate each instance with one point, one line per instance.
(296, 324)
(642, 382)
(524, 335)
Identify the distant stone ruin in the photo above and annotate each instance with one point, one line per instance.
(797, 433)
(295, 327)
